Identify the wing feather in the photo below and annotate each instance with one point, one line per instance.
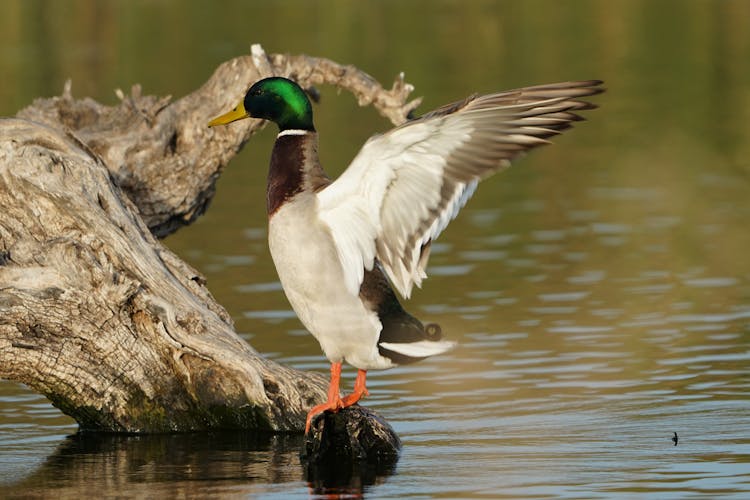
(405, 186)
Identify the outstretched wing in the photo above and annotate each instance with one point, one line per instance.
(406, 185)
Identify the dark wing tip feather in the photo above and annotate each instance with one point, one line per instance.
(567, 92)
(507, 124)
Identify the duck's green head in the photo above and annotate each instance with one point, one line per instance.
(276, 99)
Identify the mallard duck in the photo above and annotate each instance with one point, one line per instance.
(341, 247)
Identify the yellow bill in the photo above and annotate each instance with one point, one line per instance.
(237, 113)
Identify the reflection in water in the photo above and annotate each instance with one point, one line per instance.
(346, 479)
(187, 465)
(600, 290)
(183, 463)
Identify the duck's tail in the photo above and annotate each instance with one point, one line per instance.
(430, 344)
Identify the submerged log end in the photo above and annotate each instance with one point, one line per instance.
(354, 434)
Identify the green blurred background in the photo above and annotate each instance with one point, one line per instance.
(627, 240)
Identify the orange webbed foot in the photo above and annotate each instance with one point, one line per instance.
(333, 406)
(359, 390)
(334, 399)
(335, 402)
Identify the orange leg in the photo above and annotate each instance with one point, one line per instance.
(334, 402)
(359, 390)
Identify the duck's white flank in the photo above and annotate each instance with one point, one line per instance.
(312, 278)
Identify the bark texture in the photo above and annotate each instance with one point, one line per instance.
(353, 435)
(95, 313)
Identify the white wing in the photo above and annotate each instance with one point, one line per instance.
(406, 185)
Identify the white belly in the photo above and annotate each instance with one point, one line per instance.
(309, 270)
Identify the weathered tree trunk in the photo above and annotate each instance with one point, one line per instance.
(95, 313)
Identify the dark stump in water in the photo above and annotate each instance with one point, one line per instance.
(353, 446)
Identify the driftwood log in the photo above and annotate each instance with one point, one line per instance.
(95, 313)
